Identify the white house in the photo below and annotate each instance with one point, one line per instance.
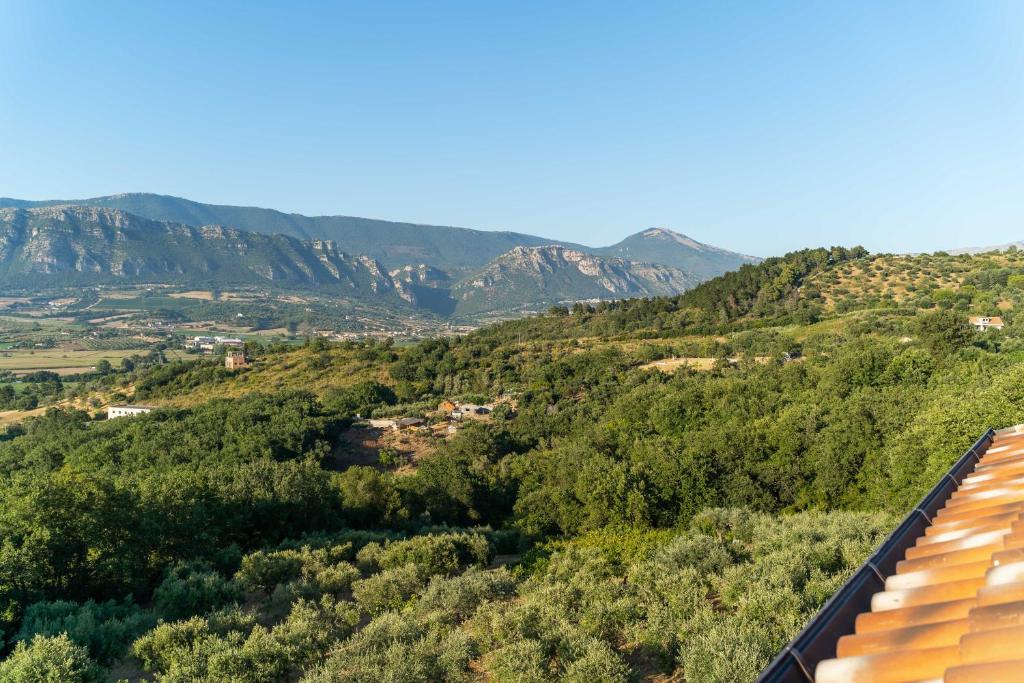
(984, 322)
(202, 343)
(126, 411)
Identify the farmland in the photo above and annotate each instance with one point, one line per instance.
(62, 361)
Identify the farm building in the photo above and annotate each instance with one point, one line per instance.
(208, 344)
(469, 410)
(397, 424)
(126, 410)
(409, 423)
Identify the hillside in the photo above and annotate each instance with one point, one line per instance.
(457, 251)
(664, 246)
(666, 488)
(537, 276)
(801, 288)
(984, 280)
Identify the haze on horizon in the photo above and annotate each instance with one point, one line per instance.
(755, 127)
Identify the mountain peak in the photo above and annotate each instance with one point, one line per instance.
(662, 245)
(668, 235)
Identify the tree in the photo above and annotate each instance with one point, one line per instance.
(103, 367)
(360, 399)
(944, 331)
(367, 497)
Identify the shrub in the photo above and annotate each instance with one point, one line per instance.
(259, 659)
(332, 580)
(390, 589)
(598, 664)
(519, 662)
(50, 660)
(399, 648)
(191, 589)
(105, 629)
(431, 554)
(162, 648)
(458, 597)
(311, 628)
(304, 571)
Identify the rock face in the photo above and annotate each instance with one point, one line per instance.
(424, 287)
(531, 276)
(63, 245)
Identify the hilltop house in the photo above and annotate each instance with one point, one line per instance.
(126, 410)
(984, 322)
(235, 360)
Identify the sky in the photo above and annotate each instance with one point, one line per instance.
(760, 127)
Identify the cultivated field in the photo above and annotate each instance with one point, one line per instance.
(670, 365)
(10, 417)
(63, 361)
(203, 295)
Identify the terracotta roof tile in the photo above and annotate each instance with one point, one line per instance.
(953, 611)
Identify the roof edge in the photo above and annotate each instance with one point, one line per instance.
(817, 641)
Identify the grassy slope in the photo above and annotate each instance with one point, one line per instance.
(315, 371)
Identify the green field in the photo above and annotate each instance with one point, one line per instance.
(63, 360)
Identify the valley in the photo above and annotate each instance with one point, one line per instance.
(475, 342)
(670, 458)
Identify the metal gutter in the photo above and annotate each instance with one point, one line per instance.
(817, 641)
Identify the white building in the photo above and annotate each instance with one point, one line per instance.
(230, 341)
(126, 411)
(210, 344)
(984, 322)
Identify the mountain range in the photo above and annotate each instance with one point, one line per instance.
(393, 244)
(446, 270)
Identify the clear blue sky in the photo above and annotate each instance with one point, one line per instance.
(760, 126)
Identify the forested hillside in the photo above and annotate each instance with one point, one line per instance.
(665, 488)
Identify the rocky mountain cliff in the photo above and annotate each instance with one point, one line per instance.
(454, 250)
(65, 245)
(537, 276)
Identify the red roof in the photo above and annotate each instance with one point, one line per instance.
(953, 611)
